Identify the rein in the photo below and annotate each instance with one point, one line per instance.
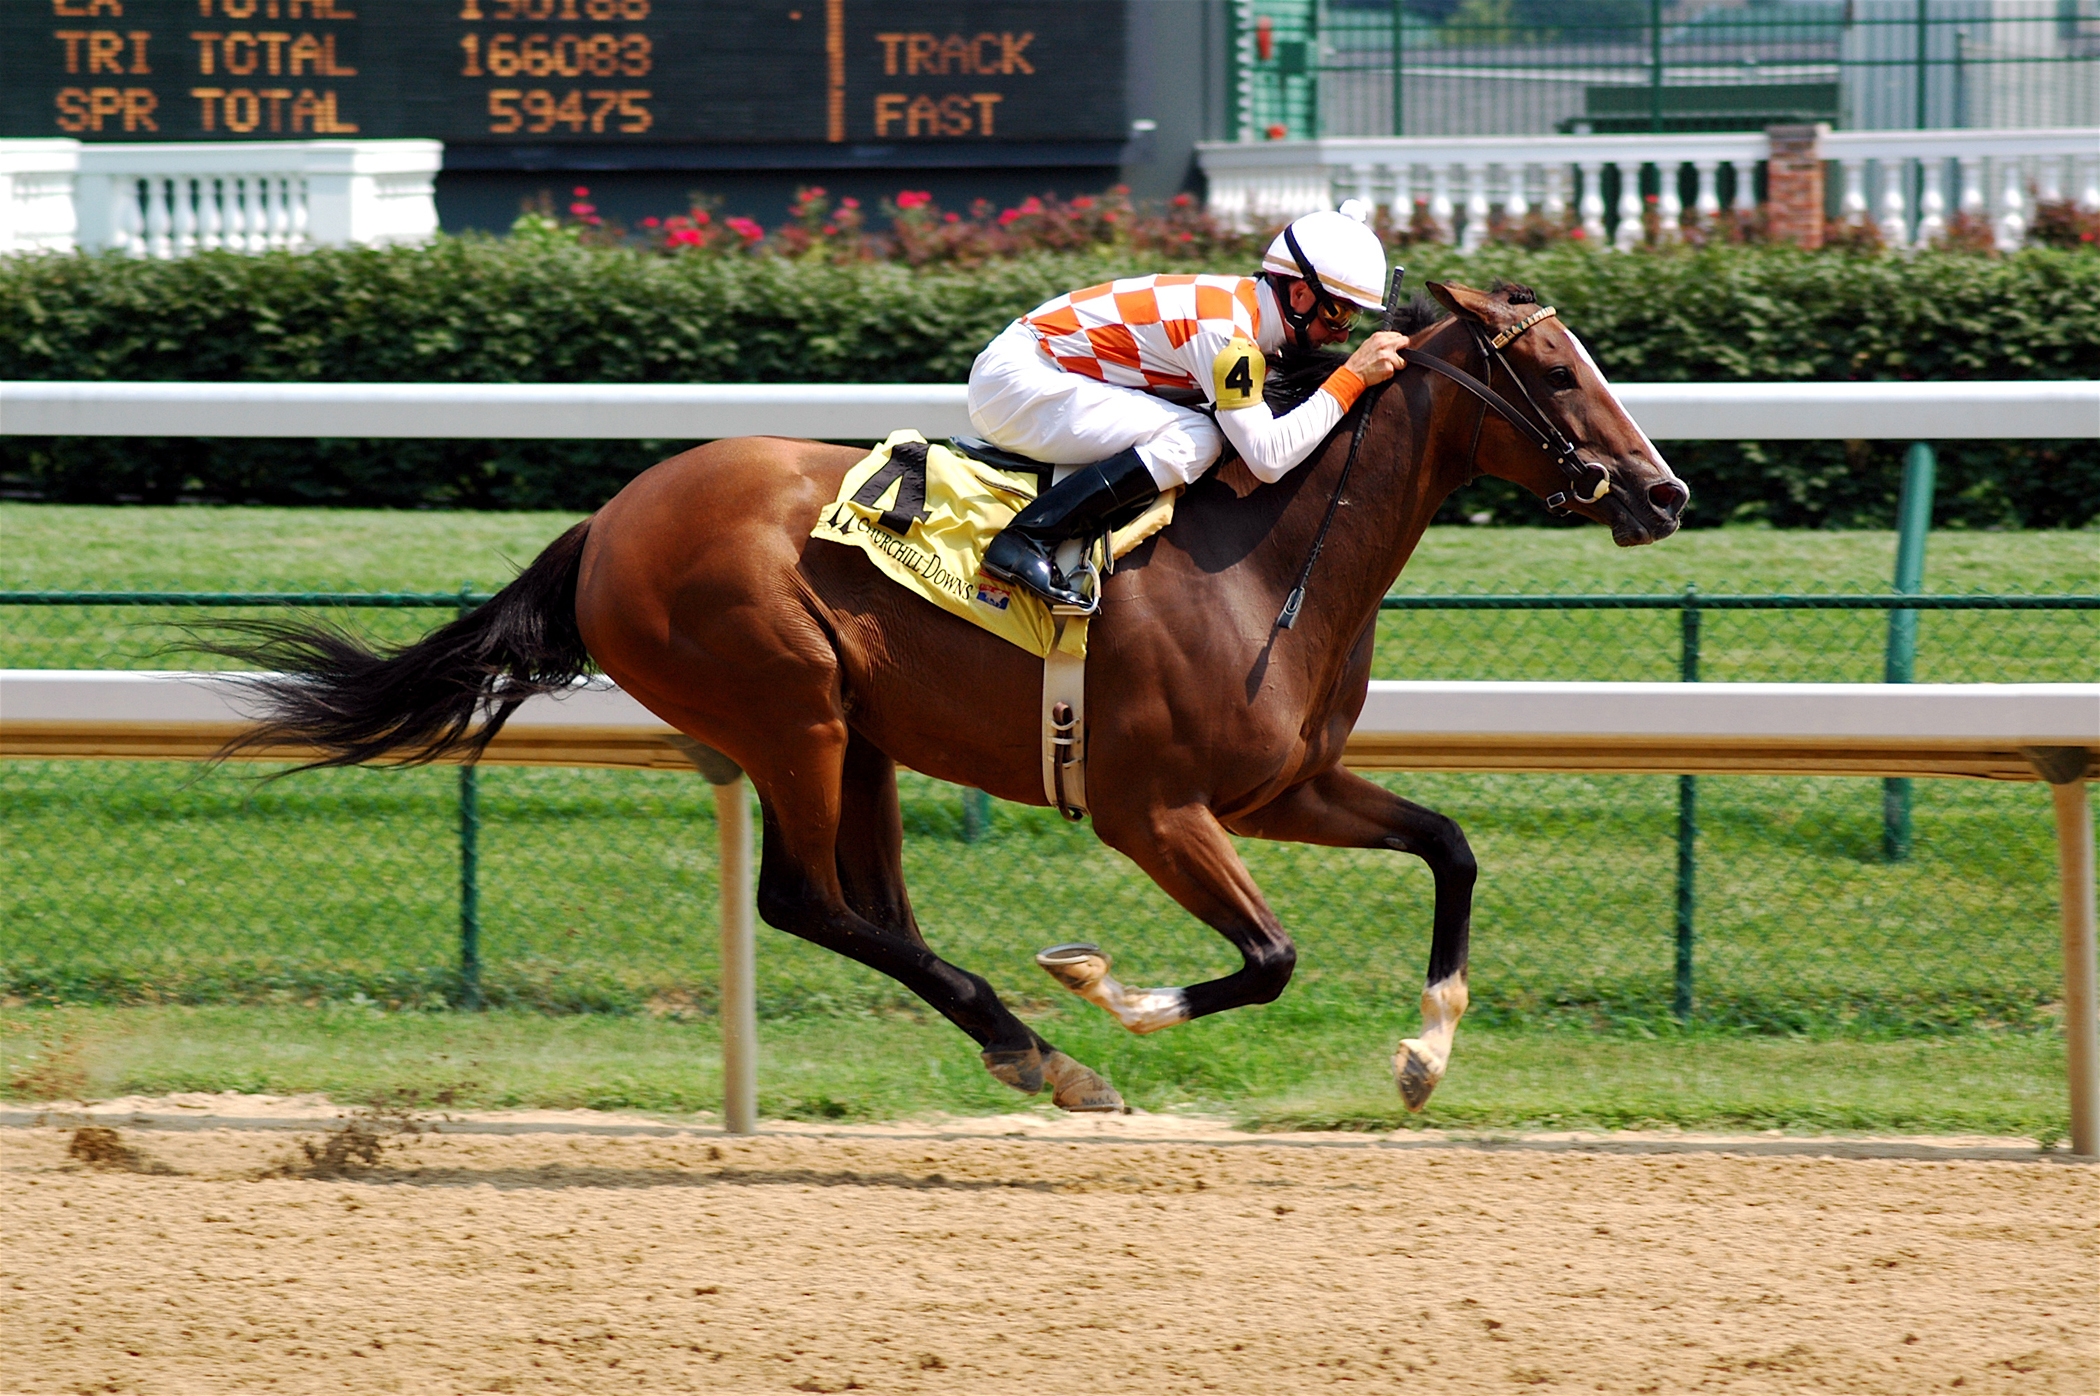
(1590, 482)
(1292, 604)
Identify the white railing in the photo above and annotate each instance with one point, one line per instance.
(2045, 410)
(2006, 731)
(1993, 175)
(1462, 181)
(169, 199)
(36, 194)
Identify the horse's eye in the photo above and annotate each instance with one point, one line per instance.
(1561, 377)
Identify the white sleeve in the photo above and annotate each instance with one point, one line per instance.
(1272, 445)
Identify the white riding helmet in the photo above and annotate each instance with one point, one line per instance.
(1343, 255)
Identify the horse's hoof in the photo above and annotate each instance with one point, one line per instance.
(1021, 1069)
(1078, 966)
(1417, 1073)
(1081, 1089)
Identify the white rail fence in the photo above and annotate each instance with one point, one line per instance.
(2015, 731)
(169, 199)
(2006, 731)
(870, 411)
(1463, 180)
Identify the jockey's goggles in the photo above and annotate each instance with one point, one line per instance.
(1334, 317)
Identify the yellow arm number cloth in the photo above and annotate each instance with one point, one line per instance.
(1237, 373)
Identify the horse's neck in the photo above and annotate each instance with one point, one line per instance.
(1404, 470)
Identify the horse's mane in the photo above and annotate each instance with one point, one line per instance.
(1296, 374)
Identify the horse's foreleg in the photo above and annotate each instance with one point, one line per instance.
(1341, 810)
(1189, 855)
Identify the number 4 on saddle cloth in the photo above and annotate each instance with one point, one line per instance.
(924, 514)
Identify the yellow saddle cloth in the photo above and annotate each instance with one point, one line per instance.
(925, 514)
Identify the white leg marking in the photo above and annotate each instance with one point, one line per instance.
(1084, 970)
(1420, 1062)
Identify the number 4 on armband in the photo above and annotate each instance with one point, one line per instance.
(1237, 375)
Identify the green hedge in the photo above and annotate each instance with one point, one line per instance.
(475, 310)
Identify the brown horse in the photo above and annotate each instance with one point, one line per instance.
(700, 591)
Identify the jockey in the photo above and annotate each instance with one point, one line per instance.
(1098, 379)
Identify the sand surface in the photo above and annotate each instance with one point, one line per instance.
(213, 1259)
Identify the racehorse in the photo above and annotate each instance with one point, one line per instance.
(700, 591)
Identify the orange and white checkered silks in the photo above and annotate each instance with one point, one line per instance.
(1148, 331)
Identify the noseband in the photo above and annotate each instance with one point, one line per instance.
(1588, 481)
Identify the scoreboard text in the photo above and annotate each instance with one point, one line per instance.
(540, 71)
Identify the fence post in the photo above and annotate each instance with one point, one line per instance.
(1402, 209)
(1655, 72)
(1687, 818)
(976, 814)
(1913, 524)
(469, 869)
(739, 960)
(469, 891)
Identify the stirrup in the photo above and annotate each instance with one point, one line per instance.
(1091, 591)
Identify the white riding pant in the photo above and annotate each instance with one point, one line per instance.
(1021, 401)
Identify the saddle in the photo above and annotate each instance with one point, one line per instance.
(1064, 726)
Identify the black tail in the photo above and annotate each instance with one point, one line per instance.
(418, 702)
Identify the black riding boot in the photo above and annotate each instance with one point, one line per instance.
(1023, 554)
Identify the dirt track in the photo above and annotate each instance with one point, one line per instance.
(538, 1263)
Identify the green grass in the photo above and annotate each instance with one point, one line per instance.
(142, 884)
(1275, 1068)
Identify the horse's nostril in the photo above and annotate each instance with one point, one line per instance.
(1668, 497)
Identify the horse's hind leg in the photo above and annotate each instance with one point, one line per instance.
(832, 872)
(1343, 810)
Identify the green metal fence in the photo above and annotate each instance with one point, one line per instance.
(1308, 68)
(1754, 901)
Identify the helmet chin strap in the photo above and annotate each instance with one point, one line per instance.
(1301, 321)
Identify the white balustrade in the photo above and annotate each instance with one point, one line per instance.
(1476, 207)
(1895, 231)
(36, 194)
(1896, 181)
(169, 199)
(1591, 206)
(1669, 203)
(2011, 227)
(1932, 202)
(1852, 203)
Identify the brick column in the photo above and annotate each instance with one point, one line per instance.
(1794, 185)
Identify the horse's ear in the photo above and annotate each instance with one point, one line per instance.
(1462, 301)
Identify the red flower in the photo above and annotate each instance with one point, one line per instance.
(1183, 201)
(1084, 201)
(583, 210)
(682, 237)
(702, 217)
(951, 218)
(746, 229)
(849, 203)
(913, 198)
(580, 192)
(651, 222)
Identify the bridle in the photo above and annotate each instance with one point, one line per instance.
(1588, 481)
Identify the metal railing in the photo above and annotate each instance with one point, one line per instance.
(1304, 69)
(1690, 608)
